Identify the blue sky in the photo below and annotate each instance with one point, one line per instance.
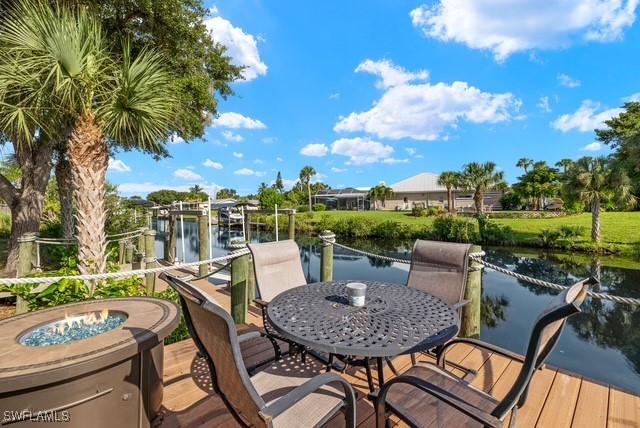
(379, 90)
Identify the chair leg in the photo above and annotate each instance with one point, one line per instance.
(393, 369)
(514, 415)
(367, 366)
(330, 363)
(413, 359)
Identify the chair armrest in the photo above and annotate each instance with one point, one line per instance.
(452, 400)
(248, 336)
(294, 396)
(460, 304)
(477, 343)
(261, 303)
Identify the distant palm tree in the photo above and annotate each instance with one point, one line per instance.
(565, 164)
(593, 181)
(480, 177)
(384, 193)
(373, 196)
(57, 62)
(306, 174)
(449, 179)
(524, 163)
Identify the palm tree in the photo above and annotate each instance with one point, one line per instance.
(595, 181)
(524, 163)
(479, 178)
(64, 180)
(306, 174)
(384, 193)
(57, 60)
(449, 179)
(565, 164)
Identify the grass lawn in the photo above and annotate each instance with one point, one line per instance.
(618, 228)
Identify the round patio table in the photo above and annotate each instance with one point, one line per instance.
(395, 320)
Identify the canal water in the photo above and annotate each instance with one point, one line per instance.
(601, 343)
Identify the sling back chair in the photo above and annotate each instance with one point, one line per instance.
(429, 395)
(285, 394)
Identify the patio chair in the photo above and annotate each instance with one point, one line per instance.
(282, 395)
(427, 394)
(277, 268)
(440, 269)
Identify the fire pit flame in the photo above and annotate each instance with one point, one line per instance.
(74, 327)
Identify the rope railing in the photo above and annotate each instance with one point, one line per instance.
(477, 257)
(116, 237)
(116, 275)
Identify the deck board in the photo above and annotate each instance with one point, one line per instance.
(556, 399)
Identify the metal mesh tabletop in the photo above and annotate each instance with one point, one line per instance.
(395, 319)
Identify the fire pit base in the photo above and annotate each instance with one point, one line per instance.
(110, 380)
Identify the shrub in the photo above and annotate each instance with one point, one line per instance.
(389, 230)
(571, 231)
(419, 212)
(434, 211)
(448, 228)
(319, 207)
(549, 238)
(511, 201)
(302, 208)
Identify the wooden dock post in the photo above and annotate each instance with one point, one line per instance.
(150, 260)
(470, 322)
(326, 255)
(247, 226)
(239, 284)
(121, 250)
(203, 242)
(128, 253)
(173, 238)
(140, 247)
(26, 246)
(292, 224)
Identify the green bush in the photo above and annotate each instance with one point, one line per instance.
(434, 211)
(571, 231)
(302, 208)
(511, 201)
(549, 238)
(455, 229)
(319, 207)
(5, 224)
(419, 212)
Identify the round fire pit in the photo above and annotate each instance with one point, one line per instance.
(96, 363)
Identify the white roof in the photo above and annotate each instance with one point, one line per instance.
(421, 183)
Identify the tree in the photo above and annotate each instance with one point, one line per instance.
(539, 183)
(565, 164)
(595, 181)
(480, 177)
(66, 77)
(64, 182)
(381, 192)
(226, 194)
(622, 134)
(166, 196)
(306, 174)
(197, 193)
(269, 198)
(374, 197)
(279, 184)
(524, 163)
(450, 180)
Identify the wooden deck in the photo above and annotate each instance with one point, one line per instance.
(556, 399)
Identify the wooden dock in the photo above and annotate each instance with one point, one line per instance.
(557, 399)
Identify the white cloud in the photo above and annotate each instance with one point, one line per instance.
(238, 155)
(235, 120)
(116, 165)
(334, 96)
(393, 161)
(211, 164)
(593, 147)
(175, 139)
(241, 47)
(315, 150)
(269, 140)
(361, 151)
(186, 174)
(568, 81)
(258, 161)
(338, 170)
(543, 104)
(586, 118)
(411, 151)
(148, 187)
(248, 172)
(424, 111)
(632, 98)
(506, 28)
(230, 136)
(279, 159)
(390, 74)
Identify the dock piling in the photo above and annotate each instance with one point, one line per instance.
(326, 255)
(470, 322)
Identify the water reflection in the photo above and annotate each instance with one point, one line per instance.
(602, 343)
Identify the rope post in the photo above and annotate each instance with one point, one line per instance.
(470, 321)
(247, 226)
(150, 260)
(121, 249)
(140, 247)
(326, 255)
(239, 283)
(26, 246)
(173, 238)
(128, 253)
(203, 242)
(292, 224)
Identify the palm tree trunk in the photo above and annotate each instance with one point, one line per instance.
(65, 193)
(478, 200)
(450, 199)
(309, 193)
(595, 220)
(88, 155)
